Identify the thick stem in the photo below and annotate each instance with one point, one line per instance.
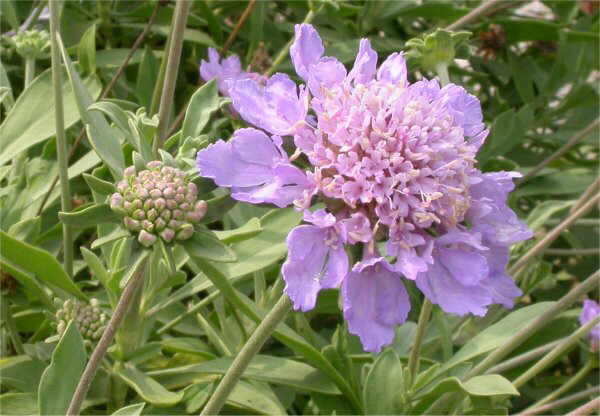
(175, 45)
(591, 190)
(483, 9)
(591, 392)
(248, 351)
(61, 141)
(573, 251)
(564, 149)
(107, 337)
(556, 352)
(29, 71)
(584, 371)
(523, 358)
(551, 236)
(544, 319)
(413, 360)
(586, 409)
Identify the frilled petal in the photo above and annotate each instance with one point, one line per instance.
(365, 64)
(489, 213)
(409, 261)
(590, 310)
(247, 159)
(441, 288)
(503, 289)
(321, 218)
(225, 71)
(306, 49)
(324, 74)
(393, 69)
(465, 108)
(276, 107)
(312, 265)
(356, 229)
(375, 302)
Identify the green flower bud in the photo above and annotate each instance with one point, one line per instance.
(32, 44)
(437, 48)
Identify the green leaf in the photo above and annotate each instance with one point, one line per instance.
(384, 385)
(544, 211)
(22, 373)
(255, 398)
(246, 231)
(26, 230)
(98, 185)
(114, 112)
(205, 245)
(203, 103)
(489, 385)
(86, 51)
(18, 404)
(31, 119)
(131, 410)
(564, 182)
(275, 370)
(90, 216)
(494, 336)
(148, 388)
(116, 235)
(60, 378)
(103, 139)
(188, 346)
(39, 262)
(146, 77)
(29, 282)
(217, 207)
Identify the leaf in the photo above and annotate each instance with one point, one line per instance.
(271, 369)
(384, 385)
(267, 247)
(205, 245)
(246, 231)
(489, 385)
(217, 207)
(116, 235)
(59, 381)
(22, 373)
(494, 336)
(114, 112)
(90, 216)
(256, 399)
(148, 388)
(506, 132)
(102, 137)
(187, 346)
(39, 262)
(544, 211)
(86, 51)
(98, 185)
(203, 103)
(31, 119)
(146, 77)
(131, 410)
(18, 404)
(564, 182)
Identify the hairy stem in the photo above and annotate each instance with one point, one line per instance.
(584, 371)
(589, 192)
(483, 9)
(413, 360)
(107, 337)
(591, 392)
(523, 358)
(564, 149)
(175, 45)
(556, 352)
(587, 408)
(442, 71)
(61, 141)
(573, 251)
(248, 351)
(29, 71)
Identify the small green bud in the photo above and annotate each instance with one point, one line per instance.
(437, 48)
(32, 44)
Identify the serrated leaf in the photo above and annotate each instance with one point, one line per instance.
(60, 378)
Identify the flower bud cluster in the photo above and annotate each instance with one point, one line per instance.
(158, 202)
(32, 44)
(89, 318)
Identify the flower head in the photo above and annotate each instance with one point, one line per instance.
(591, 310)
(32, 44)
(158, 202)
(392, 162)
(89, 318)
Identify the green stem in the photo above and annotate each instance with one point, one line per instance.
(175, 45)
(556, 352)
(524, 358)
(12, 328)
(413, 360)
(564, 388)
(61, 141)
(242, 360)
(283, 53)
(442, 70)
(107, 337)
(29, 71)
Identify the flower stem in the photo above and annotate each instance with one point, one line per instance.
(107, 337)
(442, 70)
(524, 358)
(555, 353)
(587, 408)
(248, 351)
(175, 45)
(61, 142)
(564, 388)
(474, 14)
(284, 51)
(517, 339)
(587, 194)
(413, 360)
(551, 236)
(29, 71)
(591, 392)
(240, 23)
